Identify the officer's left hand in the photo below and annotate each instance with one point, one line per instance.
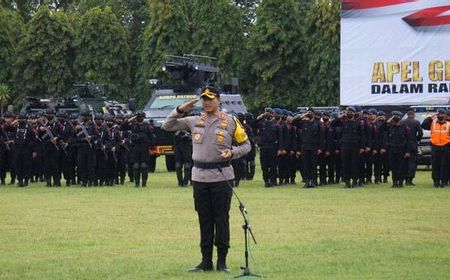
(34, 155)
(361, 151)
(407, 155)
(367, 149)
(226, 154)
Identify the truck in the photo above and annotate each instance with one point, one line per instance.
(189, 73)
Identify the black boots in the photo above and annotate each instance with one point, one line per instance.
(179, 172)
(206, 264)
(222, 260)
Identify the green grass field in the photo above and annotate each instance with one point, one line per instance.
(374, 232)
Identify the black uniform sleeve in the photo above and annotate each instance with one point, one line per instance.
(426, 124)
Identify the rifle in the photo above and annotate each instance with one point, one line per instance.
(86, 135)
(49, 134)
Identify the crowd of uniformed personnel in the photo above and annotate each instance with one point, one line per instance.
(356, 147)
(87, 150)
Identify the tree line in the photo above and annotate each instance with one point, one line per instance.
(285, 52)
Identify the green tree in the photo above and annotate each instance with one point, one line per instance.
(4, 97)
(322, 39)
(168, 32)
(45, 55)
(275, 56)
(11, 29)
(218, 32)
(102, 52)
(248, 8)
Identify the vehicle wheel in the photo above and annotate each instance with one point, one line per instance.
(170, 163)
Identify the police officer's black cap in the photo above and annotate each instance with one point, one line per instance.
(22, 116)
(310, 109)
(73, 116)
(350, 108)
(397, 113)
(140, 114)
(442, 111)
(210, 92)
(269, 110)
(373, 111)
(325, 114)
(381, 113)
(85, 114)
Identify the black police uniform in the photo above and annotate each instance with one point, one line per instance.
(269, 142)
(9, 155)
(379, 152)
(183, 156)
(416, 133)
(312, 140)
(352, 140)
(142, 138)
(68, 141)
(24, 143)
(52, 164)
(86, 153)
(399, 142)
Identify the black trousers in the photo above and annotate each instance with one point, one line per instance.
(52, 162)
(212, 203)
(23, 162)
(412, 166)
(86, 160)
(309, 158)
(268, 158)
(350, 162)
(380, 165)
(326, 168)
(439, 164)
(398, 165)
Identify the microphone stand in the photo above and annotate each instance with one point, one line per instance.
(247, 229)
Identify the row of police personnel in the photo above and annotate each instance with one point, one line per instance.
(357, 147)
(96, 151)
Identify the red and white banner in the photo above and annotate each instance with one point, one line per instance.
(395, 52)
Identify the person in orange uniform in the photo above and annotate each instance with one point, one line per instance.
(439, 129)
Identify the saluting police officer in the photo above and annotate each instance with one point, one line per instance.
(312, 142)
(217, 138)
(269, 144)
(352, 145)
(417, 134)
(400, 144)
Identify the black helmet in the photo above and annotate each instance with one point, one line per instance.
(61, 114)
(140, 114)
(22, 116)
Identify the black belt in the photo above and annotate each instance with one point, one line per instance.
(211, 165)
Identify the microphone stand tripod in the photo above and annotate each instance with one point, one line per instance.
(247, 229)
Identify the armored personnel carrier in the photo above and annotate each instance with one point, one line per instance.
(191, 73)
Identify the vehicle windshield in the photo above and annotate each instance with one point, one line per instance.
(170, 101)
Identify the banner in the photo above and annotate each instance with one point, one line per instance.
(395, 52)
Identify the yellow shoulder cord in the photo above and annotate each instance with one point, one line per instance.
(240, 136)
